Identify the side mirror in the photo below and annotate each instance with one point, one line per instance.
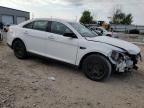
(71, 35)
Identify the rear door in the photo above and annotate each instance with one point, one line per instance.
(35, 34)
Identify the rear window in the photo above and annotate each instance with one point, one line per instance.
(29, 25)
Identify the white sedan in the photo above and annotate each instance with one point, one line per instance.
(72, 43)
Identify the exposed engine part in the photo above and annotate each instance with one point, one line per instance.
(124, 66)
(135, 67)
(125, 62)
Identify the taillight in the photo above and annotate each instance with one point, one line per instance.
(6, 29)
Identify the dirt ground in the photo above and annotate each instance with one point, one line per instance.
(26, 84)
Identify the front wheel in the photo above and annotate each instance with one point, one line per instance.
(19, 49)
(96, 67)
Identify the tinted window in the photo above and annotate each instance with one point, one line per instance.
(59, 28)
(29, 25)
(40, 25)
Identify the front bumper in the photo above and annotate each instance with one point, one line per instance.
(124, 66)
(128, 64)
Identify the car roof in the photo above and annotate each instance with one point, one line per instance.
(49, 19)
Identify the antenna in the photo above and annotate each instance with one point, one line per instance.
(76, 18)
(32, 15)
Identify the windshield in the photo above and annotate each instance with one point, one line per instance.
(85, 32)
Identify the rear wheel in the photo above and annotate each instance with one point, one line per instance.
(1, 37)
(19, 49)
(96, 67)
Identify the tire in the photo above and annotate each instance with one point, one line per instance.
(97, 68)
(1, 37)
(19, 49)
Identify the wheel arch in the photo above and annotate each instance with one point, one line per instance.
(16, 40)
(91, 53)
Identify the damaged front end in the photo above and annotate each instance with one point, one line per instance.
(123, 61)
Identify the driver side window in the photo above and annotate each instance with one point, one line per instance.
(59, 28)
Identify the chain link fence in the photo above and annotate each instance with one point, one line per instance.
(127, 28)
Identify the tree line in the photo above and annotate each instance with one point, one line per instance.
(118, 17)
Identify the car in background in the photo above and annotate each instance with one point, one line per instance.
(98, 33)
(101, 30)
(134, 31)
(93, 30)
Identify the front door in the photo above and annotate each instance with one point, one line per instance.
(60, 47)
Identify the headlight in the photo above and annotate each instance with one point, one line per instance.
(117, 56)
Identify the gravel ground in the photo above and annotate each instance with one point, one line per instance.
(26, 84)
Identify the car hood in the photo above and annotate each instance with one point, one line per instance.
(127, 46)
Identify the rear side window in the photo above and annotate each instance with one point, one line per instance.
(59, 28)
(29, 25)
(37, 25)
(40, 25)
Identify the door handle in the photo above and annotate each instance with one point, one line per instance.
(51, 37)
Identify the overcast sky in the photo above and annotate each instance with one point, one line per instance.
(72, 9)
